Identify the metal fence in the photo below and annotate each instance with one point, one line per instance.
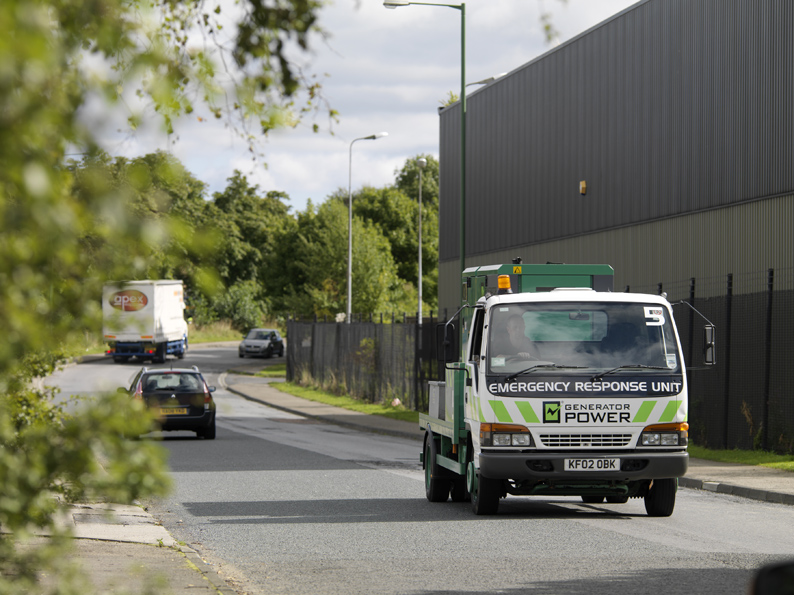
(746, 401)
(376, 360)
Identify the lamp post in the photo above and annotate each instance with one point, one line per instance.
(350, 221)
(488, 80)
(462, 8)
(421, 164)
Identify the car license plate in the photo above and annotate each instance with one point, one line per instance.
(592, 465)
(173, 411)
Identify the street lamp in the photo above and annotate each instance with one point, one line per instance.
(421, 164)
(487, 81)
(462, 8)
(350, 221)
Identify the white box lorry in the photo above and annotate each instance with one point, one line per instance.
(563, 388)
(144, 319)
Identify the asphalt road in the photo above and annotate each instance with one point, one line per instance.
(281, 504)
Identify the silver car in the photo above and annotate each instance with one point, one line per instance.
(262, 342)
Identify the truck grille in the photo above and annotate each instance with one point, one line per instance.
(584, 440)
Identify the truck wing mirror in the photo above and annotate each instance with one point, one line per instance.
(446, 343)
(709, 352)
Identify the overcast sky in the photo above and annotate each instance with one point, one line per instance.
(387, 71)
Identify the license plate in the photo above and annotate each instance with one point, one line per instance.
(174, 411)
(592, 465)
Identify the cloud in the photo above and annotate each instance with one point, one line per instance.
(387, 70)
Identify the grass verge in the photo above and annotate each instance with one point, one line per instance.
(744, 457)
(214, 332)
(274, 371)
(319, 396)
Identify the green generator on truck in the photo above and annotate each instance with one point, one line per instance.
(563, 388)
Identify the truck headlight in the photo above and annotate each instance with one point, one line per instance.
(504, 435)
(665, 435)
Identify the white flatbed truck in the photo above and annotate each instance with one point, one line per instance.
(589, 400)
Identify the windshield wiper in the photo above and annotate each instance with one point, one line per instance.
(533, 368)
(627, 366)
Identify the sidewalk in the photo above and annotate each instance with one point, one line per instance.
(130, 550)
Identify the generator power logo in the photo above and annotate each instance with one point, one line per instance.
(129, 300)
(551, 412)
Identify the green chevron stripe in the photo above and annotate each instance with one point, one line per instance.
(526, 410)
(645, 411)
(501, 412)
(669, 412)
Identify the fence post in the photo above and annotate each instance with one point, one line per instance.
(770, 286)
(726, 402)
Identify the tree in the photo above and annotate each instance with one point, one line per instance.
(63, 232)
(251, 223)
(316, 269)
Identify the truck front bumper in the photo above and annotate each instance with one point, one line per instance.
(545, 466)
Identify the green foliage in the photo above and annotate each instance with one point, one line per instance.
(251, 227)
(67, 228)
(50, 458)
(239, 305)
(322, 396)
(744, 457)
(316, 268)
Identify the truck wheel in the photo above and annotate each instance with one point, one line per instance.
(436, 485)
(485, 497)
(159, 356)
(660, 500)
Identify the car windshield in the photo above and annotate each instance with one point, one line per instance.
(542, 338)
(171, 381)
(258, 335)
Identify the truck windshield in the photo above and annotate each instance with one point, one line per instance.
(603, 338)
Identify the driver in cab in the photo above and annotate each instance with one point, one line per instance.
(519, 345)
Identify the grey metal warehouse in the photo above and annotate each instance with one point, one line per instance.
(677, 116)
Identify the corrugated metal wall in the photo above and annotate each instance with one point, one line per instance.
(670, 109)
(742, 239)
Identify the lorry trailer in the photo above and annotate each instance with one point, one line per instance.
(144, 320)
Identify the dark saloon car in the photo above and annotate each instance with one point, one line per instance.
(264, 342)
(180, 397)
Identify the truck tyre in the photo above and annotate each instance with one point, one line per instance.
(159, 356)
(660, 499)
(437, 486)
(485, 497)
(460, 487)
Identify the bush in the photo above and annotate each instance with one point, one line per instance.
(240, 305)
